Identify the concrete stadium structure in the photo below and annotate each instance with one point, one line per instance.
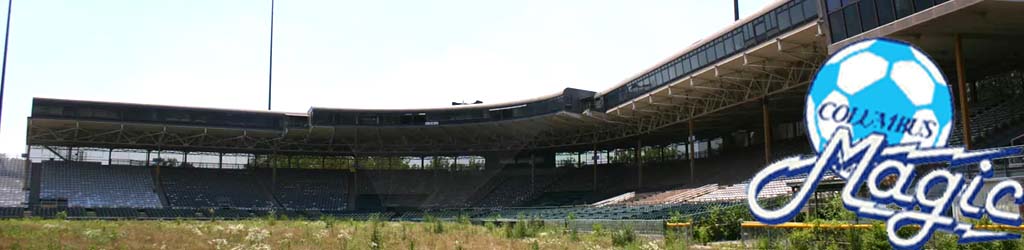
(714, 113)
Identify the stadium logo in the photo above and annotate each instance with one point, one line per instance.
(875, 110)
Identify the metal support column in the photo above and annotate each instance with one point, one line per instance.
(220, 160)
(110, 156)
(25, 179)
(595, 167)
(661, 153)
(961, 81)
(767, 131)
(639, 167)
(147, 157)
(353, 189)
(533, 175)
(690, 139)
(158, 154)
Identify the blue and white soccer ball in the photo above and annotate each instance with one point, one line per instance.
(880, 86)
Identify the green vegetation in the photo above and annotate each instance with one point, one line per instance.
(326, 233)
(873, 238)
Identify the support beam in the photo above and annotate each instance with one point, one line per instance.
(147, 157)
(767, 131)
(59, 155)
(110, 156)
(220, 160)
(961, 81)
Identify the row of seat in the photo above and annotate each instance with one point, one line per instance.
(93, 185)
(12, 188)
(212, 188)
(173, 213)
(309, 189)
(998, 105)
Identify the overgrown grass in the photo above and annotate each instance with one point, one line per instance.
(326, 233)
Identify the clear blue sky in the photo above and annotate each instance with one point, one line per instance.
(357, 54)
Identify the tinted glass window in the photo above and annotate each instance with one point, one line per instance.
(738, 40)
(852, 14)
(783, 18)
(672, 71)
(838, 26)
(748, 32)
(719, 50)
(796, 14)
(868, 15)
(730, 46)
(833, 5)
(885, 12)
(920, 5)
(701, 59)
(810, 9)
(903, 8)
(678, 68)
(759, 28)
(688, 64)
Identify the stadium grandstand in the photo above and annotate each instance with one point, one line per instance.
(681, 136)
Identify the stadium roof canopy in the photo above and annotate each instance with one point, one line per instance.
(713, 82)
(499, 127)
(755, 70)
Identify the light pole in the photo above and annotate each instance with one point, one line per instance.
(3, 69)
(270, 70)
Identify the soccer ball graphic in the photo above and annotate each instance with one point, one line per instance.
(880, 86)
